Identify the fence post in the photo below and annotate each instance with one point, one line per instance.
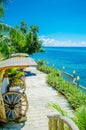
(62, 72)
(78, 80)
(52, 122)
(63, 68)
(60, 125)
(74, 73)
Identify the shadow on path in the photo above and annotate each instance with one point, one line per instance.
(11, 126)
(28, 73)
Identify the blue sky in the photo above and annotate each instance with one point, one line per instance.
(62, 20)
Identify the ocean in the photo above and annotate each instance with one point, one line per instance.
(72, 58)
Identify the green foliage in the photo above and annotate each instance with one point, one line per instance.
(15, 77)
(1, 11)
(33, 44)
(1, 56)
(80, 117)
(5, 48)
(24, 40)
(21, 39)
(12, 72)
(73, 94)
(23, 27)
(57, 108)
(43, 66)
(40, 63)
(3, 4)
(16, 82)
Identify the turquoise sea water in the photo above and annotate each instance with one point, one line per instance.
(73, 58)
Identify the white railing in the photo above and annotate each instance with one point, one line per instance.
(58, 122)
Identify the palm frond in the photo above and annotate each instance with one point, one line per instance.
(57, 108)
(17, 35)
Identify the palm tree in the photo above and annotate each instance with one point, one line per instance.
(5, 30)
(20, 39)
(3, 4)
(11, 37)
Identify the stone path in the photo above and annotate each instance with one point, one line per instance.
(39, 94)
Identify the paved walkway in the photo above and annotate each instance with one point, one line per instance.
(39, 94)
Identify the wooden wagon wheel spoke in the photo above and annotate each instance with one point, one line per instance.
(8, 99)
(20, 105)
(23, 101)
(15, 113)
(15, 98)
(9, 114)
(21, 109)
(18, 99)
(12, 97)
(7, 105)
(19, 113)
(7, 110)
(15, 104)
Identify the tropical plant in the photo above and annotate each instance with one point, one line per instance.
(73, 94)
(43, 66)
(23, 27)
(41, 62)
(29, 42)
(5, 46)
(14, 72)
(3, 4)
(57, 108)
(20, 38)
(33, 44)
(80, 117)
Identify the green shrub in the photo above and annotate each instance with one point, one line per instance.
(12, 72)
(43, 66)
(80, 118)
(73, 94)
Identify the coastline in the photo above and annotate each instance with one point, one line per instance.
(70, 57)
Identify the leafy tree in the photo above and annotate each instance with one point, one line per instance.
(18, 39)
(33, 44)
(23, 27)
(5, 48)
(9, 37)
(30, 43)
(3, 4)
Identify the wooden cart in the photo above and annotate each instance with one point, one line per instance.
(13, 102)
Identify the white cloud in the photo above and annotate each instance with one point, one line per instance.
(56, 43)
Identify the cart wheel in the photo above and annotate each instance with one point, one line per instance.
(16, 105)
